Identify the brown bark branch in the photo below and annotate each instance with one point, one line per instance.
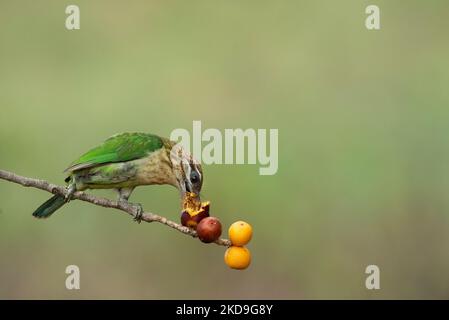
(103, 202)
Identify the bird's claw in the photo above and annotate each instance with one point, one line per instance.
(139, 213)
(70, 191)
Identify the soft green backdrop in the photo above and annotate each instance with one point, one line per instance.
(363, 123)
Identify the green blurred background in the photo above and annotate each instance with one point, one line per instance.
(363, 145)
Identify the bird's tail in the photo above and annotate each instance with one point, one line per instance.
(48, 207)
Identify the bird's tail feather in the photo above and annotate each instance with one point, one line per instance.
(48, 207)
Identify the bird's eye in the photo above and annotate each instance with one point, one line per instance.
(194, 177)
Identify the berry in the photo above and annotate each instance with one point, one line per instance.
(209, 229)
(240, 233)
(237, 257)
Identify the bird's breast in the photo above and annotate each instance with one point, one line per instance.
(156, 169)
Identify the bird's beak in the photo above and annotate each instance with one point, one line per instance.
(184, 188)
(187, 187)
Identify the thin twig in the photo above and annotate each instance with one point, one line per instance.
(103, 202)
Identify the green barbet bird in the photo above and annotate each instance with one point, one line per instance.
(125, 161)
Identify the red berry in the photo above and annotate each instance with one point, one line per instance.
(209, 229)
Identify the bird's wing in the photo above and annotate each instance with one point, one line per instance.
(118, 148)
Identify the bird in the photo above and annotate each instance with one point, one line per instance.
(125, 161)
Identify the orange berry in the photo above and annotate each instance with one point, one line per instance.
(240, 233)
(237, 257)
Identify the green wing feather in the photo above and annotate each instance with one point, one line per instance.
(119, 148)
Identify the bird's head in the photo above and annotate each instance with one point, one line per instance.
(187, 170)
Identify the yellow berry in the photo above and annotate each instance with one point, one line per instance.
(240, 233)
(237, 257)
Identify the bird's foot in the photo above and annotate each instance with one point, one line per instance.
(139, 213)
(70, 191)
(138, 208)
